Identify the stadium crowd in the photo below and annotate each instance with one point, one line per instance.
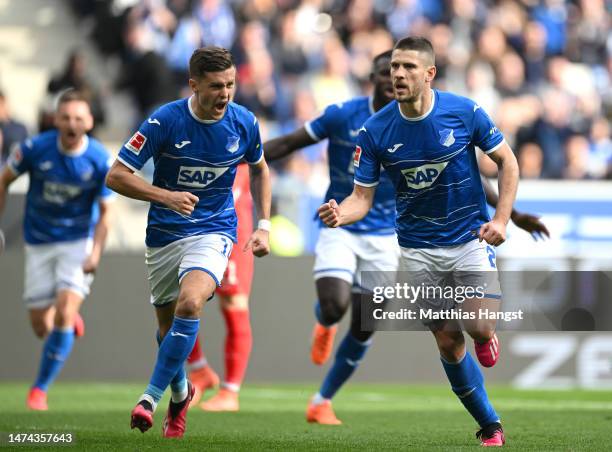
(541, 68)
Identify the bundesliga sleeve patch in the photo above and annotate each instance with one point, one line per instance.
(136, 143)
(357, 156)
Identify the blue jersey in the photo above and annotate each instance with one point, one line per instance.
(340, 123)
(431, 161)
(61, 204)
(195, 156)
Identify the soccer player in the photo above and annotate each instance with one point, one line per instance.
(196, 145)
(369, 244)
(65, 227)
(425, 140)
(234, 303)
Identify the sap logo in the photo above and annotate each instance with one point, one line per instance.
(423, 176)
(395, 148)
(447, 137)
(199, 176)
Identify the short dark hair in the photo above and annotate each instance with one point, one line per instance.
(418, 43)
(381, 56)
(209, 59)
(71, 95)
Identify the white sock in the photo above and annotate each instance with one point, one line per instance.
(149, 399)
(318, 399)
(230, 386)
(178, 397)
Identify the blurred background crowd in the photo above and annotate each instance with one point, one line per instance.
(541, 68)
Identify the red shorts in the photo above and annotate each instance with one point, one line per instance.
(239, 274)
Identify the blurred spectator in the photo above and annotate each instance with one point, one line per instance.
(74, 76)
(530, 158)
(212, 23)
(11, 131)
(145, 73)
(577, 154)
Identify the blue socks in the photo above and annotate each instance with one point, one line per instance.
(173, 352)
(467, 382)
(350, 352)
(55, 352)
(178, 384)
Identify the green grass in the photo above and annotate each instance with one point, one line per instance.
(376, 417)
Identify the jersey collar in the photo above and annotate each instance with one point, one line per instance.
(194, 116)
(76, 153)
(423, 116)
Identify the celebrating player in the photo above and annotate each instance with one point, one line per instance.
(234, 302)
(66, 205)
(369, 244)
(196, 145)
(425, 141)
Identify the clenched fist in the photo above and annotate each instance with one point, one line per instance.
(182, 202)
(329, 213)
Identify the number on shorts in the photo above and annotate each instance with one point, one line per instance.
(225, 246)
(491, 253)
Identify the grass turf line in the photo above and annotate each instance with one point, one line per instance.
(375, 416)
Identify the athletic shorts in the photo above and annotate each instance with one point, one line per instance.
(344, 255)
(52, 267)
(469, 265)
(168, 265)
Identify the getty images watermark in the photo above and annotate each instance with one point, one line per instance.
(431, 303)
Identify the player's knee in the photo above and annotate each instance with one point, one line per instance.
(332, 309)
(40, 328)
(64, 316)
(189, 305)
(451, 347)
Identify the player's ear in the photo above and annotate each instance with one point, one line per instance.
(430, 74)
(193, 85)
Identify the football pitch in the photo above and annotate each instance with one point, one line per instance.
(376, 417)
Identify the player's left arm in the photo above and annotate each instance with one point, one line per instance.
(494, 232)
(99, 239)
(351, 210)
(526, 221)
(261, 190)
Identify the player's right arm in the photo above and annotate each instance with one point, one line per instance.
(122, 180)
(150, 137)
(284, 145)
(352, 209)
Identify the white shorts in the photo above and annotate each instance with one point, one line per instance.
(53, 267)
(169, 264)
(344, 255)
(470, 264)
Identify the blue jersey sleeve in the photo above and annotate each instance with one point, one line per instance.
(365, 161)
(20, 160)
(147, 140)
(323, 126)
(484, 132)
(254, 153)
